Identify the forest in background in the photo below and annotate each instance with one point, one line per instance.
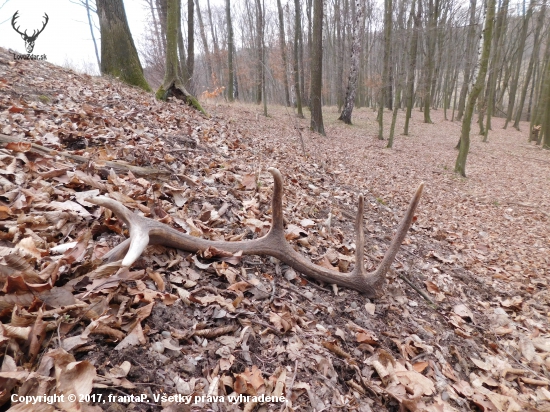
(399, 54)
(428, 50)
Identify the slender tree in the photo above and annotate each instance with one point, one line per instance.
(545, 104)
(282, 45)
(297, 35)
(470, 47)
(354, 66)
(89, 10)
(231, 74)
(182, 66)
(119, 56)
(259, 51)
(542, 105)
(518, 62)
(384, 90)
(208, 58)
(433, 14)
(460, 166)
(190, 44)
(412, 65)
(317, 69)
(532, 62)
(496, 63)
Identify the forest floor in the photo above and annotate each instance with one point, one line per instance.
(200, 325)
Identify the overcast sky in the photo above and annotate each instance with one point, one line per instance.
(66, 39)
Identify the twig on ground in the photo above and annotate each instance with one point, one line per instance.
(420, 292)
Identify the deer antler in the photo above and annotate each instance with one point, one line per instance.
(144, 231)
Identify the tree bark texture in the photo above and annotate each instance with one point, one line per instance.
(349, 101)
(412, 64)
(282, 45)
(231, 74)
(532, 60)
(190, 45)
(119, 56)
(173, 85)
(297, 35)
(317, 69)
(208, 58)
(460, 165)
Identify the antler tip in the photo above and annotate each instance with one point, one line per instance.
(97, 200)
(274, 171)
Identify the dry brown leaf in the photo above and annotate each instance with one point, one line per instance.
(134, 338)
(20, 147)
(463, 311)
(249, 181)
(367, 337)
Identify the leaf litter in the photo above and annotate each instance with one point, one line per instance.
(217, 324)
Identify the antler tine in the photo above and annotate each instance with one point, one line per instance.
(144, 231)
(277, 221)
(402, 230)
(359, 238)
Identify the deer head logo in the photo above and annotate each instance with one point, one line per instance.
(29, 40)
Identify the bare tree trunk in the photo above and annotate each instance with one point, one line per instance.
(264, 59)
(354, 66)
(156, 25)
(532, 60)
(468, 67)
(204, 45)
(460, 166)
(217, 53)
(339, 54)
(297, 35)
(317, 69)
(412, 65)
(259, 51)
(385, 75)
(542, 102)
(499, 35)
(231, 74)
(433, 11)
(518, 61)
(545, 104)
(119, 56)
(190, 45)
(161, 10)
(92, 34)
(173, 85)
(282, 45)
(182, 66)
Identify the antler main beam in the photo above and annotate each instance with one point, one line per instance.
(144, 231)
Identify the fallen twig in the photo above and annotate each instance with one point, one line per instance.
(35, 148)
(420, 292)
